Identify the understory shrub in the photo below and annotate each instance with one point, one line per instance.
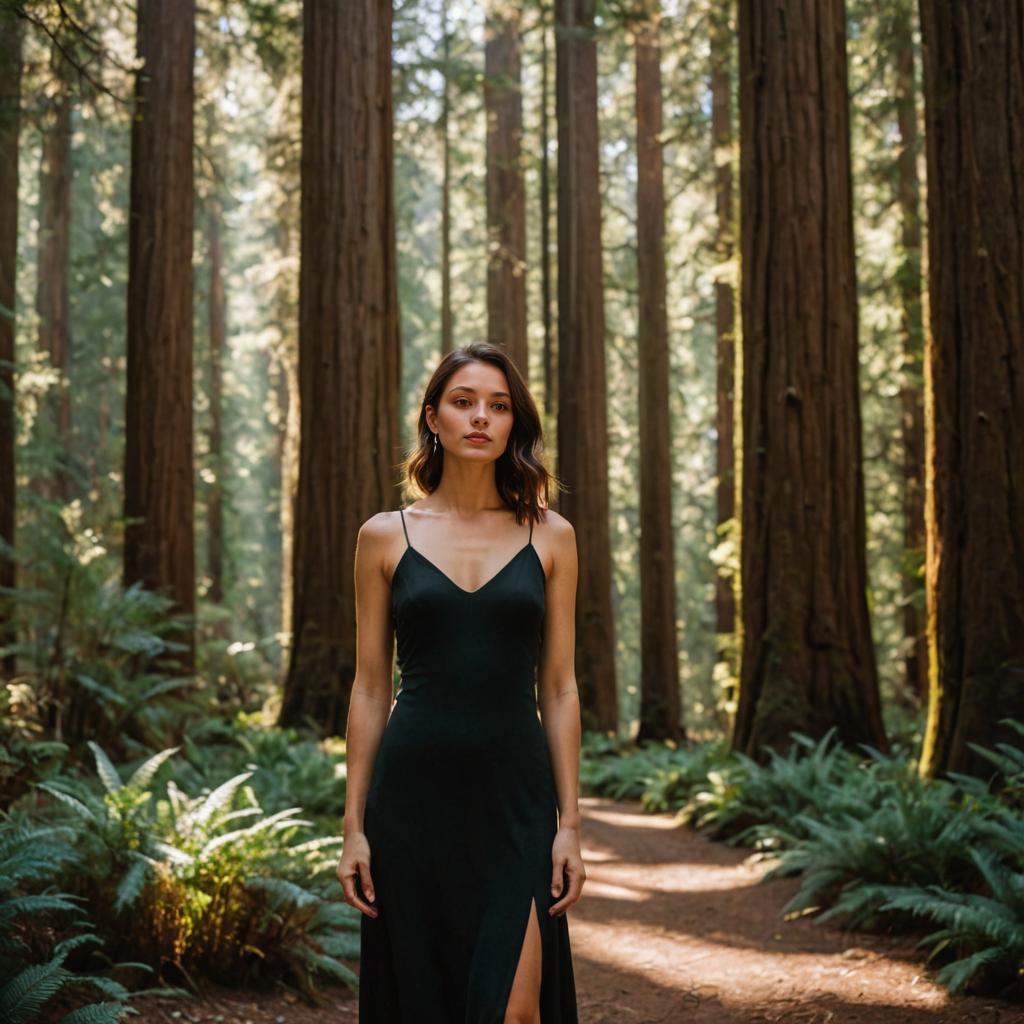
(207, 886)
(44, 933)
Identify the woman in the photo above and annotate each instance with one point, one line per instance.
(462, 847)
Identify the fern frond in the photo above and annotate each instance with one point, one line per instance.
(23, 996)
(108, 774)
(98, 1013)
(143, 775)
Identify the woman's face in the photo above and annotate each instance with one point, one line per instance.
(475, 400)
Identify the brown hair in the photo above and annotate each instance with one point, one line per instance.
(522, 479)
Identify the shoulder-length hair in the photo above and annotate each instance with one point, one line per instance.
(522, 479)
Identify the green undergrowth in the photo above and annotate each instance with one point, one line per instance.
(203, 882)
(52, 962)
(875, 846)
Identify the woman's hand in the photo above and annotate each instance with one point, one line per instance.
(355, 861)
(566, 857)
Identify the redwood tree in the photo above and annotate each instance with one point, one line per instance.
(582, 401)
(912, 386)
(722, 46)
(217, 303)
(159, 542)
(506, 192)
(807, 661)
(10, 120)
(974, 101)
(348, 343)
(54, 255)
(444, 137)
(660, 705)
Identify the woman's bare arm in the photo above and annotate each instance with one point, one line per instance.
(370, 703)
(559, 702)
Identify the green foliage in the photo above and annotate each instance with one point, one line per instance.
(984, 930)
(887, 831)
(211, 883)
(1010, 762)
(661, 776)
(89, 649)
(32, 964)
(741, 797)
(282, 760)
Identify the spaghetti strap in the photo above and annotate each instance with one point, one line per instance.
(404, 530)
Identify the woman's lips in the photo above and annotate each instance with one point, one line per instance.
(478, 440)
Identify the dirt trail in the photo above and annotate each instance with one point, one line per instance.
(674, 928)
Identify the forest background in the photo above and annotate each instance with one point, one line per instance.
(755, 287)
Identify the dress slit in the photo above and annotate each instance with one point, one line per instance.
(510, 978)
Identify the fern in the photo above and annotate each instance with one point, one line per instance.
(986, 930)
(25, 988)
(215, 898)
(23, 996)
(98, 1013)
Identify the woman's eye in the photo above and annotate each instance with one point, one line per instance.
(502, 405)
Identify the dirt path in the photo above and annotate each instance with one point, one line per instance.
(674, 928)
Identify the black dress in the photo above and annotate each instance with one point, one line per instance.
(461, 809)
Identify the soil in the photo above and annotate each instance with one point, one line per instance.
(675, 928)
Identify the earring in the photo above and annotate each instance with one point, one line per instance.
(435, 444)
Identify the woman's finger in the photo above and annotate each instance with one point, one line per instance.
(577, 876)
(367, 880)
(557, 882)
(352, 897)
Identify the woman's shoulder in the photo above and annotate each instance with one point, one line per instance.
(381, 526)
(556, 525)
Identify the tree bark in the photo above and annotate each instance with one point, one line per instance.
(721, 42)
(159, 489)
(348, 343)
(506, 194)
(974, 103)
(912, 386)
(54, 257)
(660, 704)
(447, 325)
(10, 122)
(582, 401)
(550, 389)
(218, 331)
(808, 661)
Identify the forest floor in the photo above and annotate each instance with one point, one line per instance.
(675, 928)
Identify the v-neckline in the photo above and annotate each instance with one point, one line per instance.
(441, 572)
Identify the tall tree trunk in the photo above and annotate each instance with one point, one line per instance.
(10, 121)
(974, 102)
(348, 342)
(550, 390)
(159, 489)
(912, 386)
(218, 332)
(721, 40)
(447, 327)
(808, 661)
(582, 399)
(54, 253)
(506, 195)
(660, 705)
(288, 460)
